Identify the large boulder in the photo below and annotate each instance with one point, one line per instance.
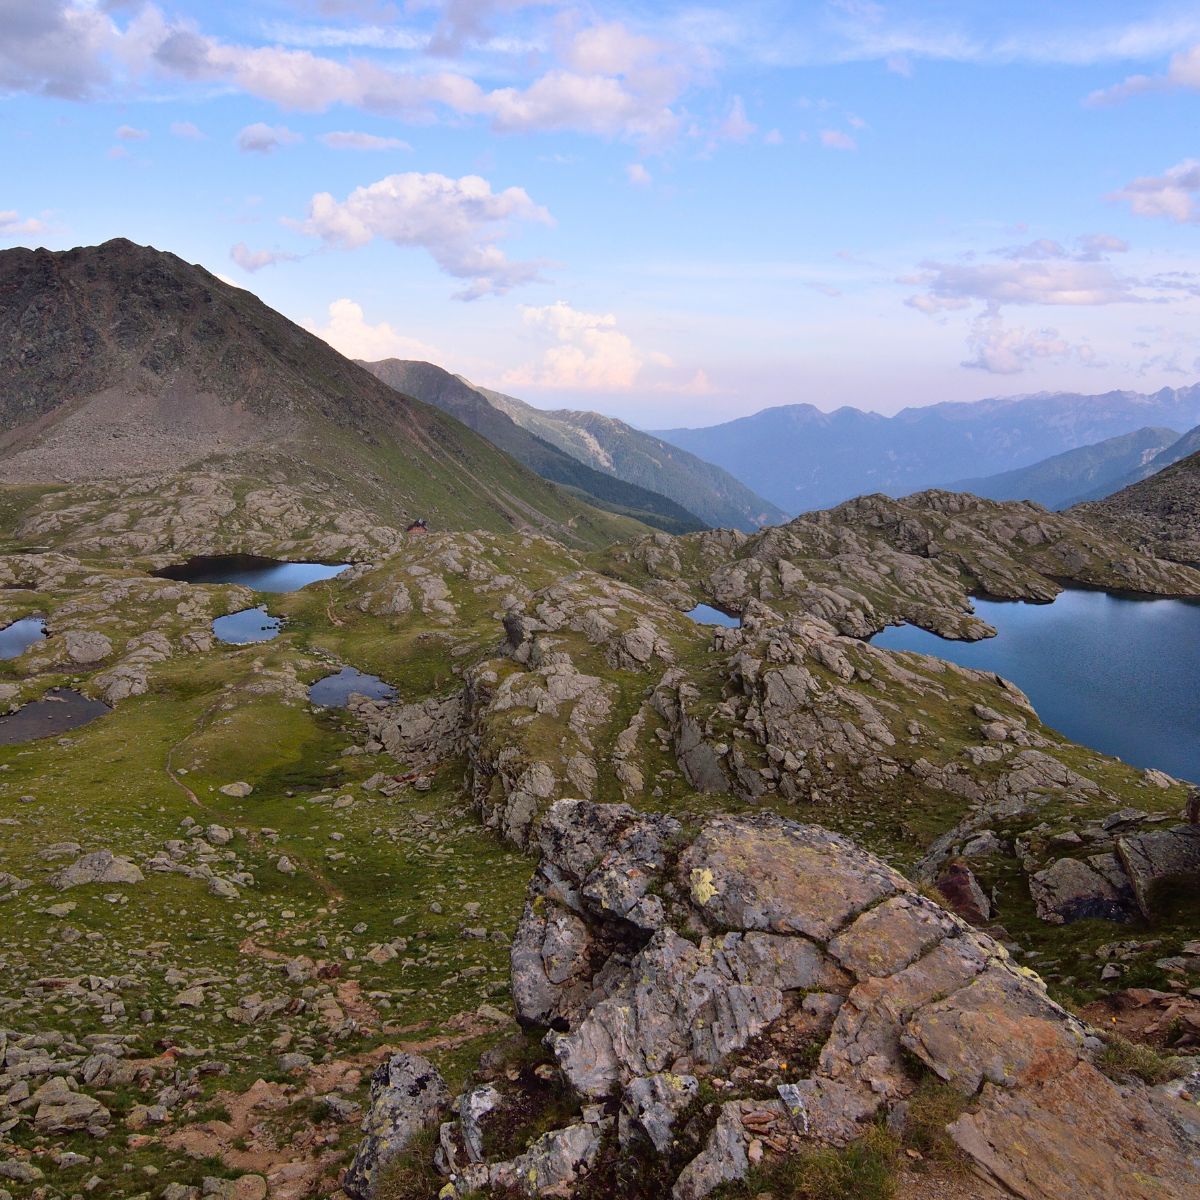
(1158, 858)
(408, 1095)
(101, 866)
(654, 958)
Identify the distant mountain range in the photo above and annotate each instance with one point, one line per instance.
(610, 463)
(802, 458)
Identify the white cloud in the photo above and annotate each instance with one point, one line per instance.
(630, 97)
(255, 260)
(348, 139)
(607, 81)
(13, 224)
(835, 139)
(127, 133)
(53, 48)
(458, 221)
(1053, 281)
(187, 131)
(1007, 350)
(261, 138)
(638, 175)
(1183, 72)
(588, 352)
(736, 127)
(773, 137)
(348, 331)
(1175, 194)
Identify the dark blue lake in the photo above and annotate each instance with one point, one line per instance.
(705, 614)
(1118, 673)
(261, 574)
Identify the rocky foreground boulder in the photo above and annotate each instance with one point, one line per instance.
(766, 987)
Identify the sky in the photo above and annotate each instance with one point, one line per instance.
(674, 213)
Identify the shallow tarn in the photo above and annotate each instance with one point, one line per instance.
(334, 691)
(252, 571)
(248, 625)
(59, 711)
(705, 614)
(16, 638)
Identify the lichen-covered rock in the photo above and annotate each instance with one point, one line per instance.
(101, 866)
(408, 1095)
(763, 927)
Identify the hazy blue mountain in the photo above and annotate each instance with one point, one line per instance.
(802, 458)
(1064, 479)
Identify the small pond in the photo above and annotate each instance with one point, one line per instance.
(1116, 672)
(261, 574)
(60, 710)
(20, 635)
(334, 691)
(705, 614)
(249, 625)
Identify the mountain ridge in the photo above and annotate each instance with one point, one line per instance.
(120, 361)
(803, 459)
(452, 394)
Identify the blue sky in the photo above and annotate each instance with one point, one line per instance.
(675, 213)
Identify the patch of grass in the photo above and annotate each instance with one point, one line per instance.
(864, 1170)
(932, 1107)
(1124, 1060)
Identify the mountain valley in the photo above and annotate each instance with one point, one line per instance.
(601, 901)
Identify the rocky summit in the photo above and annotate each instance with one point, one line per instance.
(579, 897)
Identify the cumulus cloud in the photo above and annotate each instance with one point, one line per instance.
(637, 174)
(255, 260)
(348, 139)
(1007, 350)
(348, 331)
(835, 139)
(12, 224)
(127, 133)
(188, 131)
(458, 221)
(1173, 194)
(588, 352)
(261, 138)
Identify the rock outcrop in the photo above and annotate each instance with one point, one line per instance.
(407, 1095)
(655, 958)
